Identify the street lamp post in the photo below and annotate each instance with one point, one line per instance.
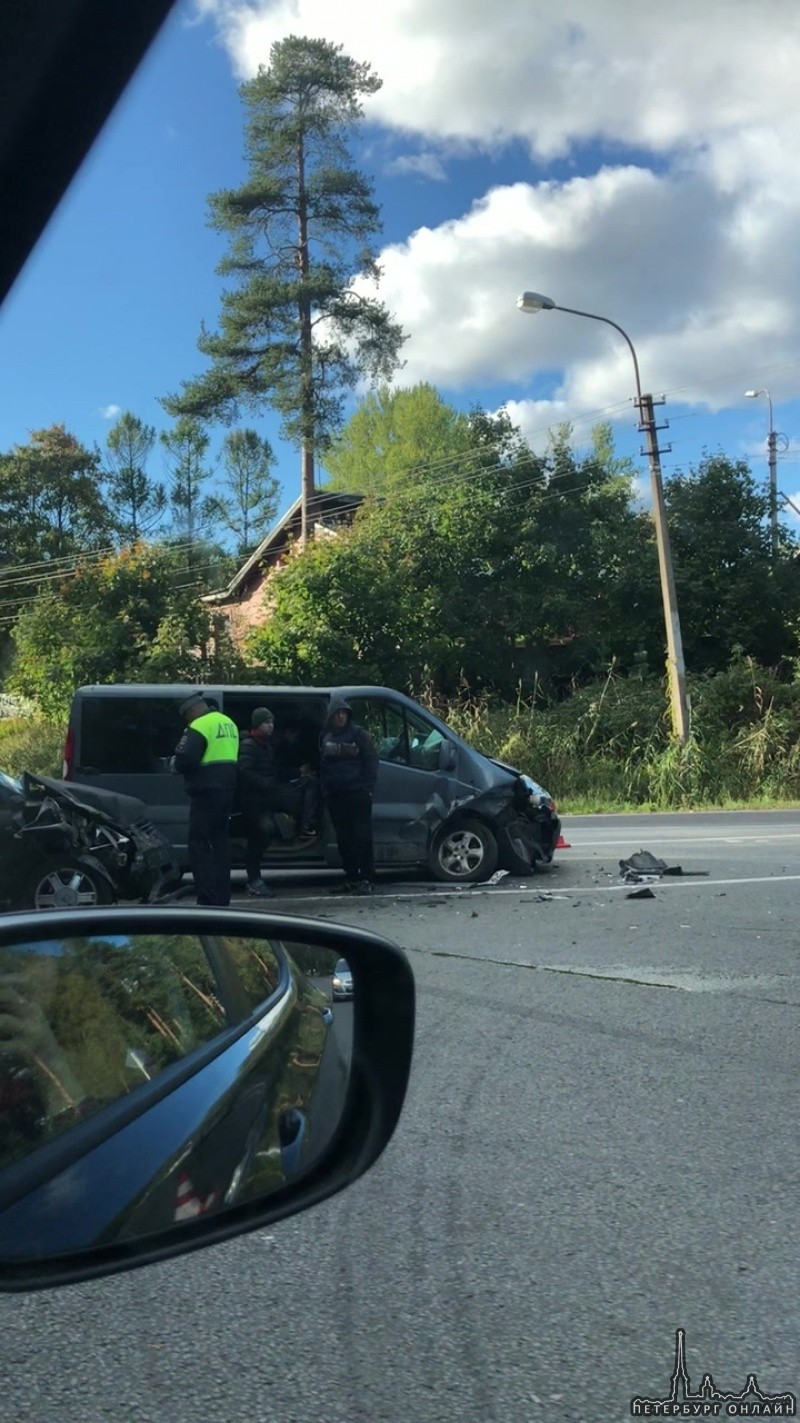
(772, 448)
(533, 302)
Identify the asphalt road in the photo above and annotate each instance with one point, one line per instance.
(600, 1146)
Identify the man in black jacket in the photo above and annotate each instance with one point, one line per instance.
(348, 771)
(261, 792)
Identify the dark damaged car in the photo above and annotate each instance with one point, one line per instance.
(69, 847)
(438, 803)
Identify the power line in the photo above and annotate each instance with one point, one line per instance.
(89, 556)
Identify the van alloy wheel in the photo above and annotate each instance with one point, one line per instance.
(465, 852)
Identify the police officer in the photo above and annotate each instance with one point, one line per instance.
(206, 757)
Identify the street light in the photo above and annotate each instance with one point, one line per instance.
(532, 302)
(772, 459)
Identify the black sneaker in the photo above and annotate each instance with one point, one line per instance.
(259, 889)
(364, 886)
(349, 886)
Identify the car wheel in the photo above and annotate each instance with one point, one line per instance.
(69, 885)
(464, 853)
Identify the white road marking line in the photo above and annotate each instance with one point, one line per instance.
(666, 839)
(560, 893)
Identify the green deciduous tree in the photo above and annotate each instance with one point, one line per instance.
(395, 436)
(51, 509)
(515, 565)
(51, 503)
(730, 592)
(123, 619)
(298, 325)
(249, 502)
(138, 501)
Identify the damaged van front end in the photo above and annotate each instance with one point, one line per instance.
(510, 825)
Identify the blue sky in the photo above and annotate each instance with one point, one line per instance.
(665, 200)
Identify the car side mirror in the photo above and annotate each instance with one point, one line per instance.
(173, 1077)
(448, 756)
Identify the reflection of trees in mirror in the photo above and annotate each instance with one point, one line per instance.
(256, 965)
(286, 1107)
(312, 960)
(85, 1021)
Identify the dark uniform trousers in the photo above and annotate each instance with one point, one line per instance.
(351, 815)
(210, 845)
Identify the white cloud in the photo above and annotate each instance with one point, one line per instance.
(694, 248)
(661, 77)
(659, 254)
(110, 412)
(425, 165)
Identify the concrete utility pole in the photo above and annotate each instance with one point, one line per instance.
(676, 669)
(772, 464)
(772, 446)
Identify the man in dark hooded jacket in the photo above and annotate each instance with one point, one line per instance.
(348, 771)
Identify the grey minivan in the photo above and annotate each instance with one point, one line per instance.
(438, 803)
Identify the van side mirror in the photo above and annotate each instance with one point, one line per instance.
(448, 756)
(173, 1077)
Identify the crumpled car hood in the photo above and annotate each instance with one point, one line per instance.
(122, 809)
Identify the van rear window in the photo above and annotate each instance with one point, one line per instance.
(128, 735)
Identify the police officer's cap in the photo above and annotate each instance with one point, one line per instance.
(195, 700)
(260, 716)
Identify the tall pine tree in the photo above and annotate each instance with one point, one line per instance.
(139, 502)
(297, 326)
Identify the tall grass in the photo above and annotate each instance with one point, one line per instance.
(608, 746)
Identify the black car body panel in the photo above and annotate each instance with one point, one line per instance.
(191, 1152)
(269, 1100)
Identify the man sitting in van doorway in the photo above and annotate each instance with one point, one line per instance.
(261, 792)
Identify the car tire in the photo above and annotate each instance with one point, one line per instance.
(464, 853)
(69, 884)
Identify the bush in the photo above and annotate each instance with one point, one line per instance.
(31, 744)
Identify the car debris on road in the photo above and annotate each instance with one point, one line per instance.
(644, 868)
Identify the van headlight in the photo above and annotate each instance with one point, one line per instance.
(539, 795)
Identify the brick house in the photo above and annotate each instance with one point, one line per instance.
(242, 602)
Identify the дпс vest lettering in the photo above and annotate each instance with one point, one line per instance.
(221, 736)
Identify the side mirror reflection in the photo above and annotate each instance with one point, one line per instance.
(149, 1079)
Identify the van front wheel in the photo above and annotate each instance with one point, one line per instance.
(464, 853)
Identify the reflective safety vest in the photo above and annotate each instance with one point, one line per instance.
(221, 737)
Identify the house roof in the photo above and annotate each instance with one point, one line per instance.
(322, 507)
